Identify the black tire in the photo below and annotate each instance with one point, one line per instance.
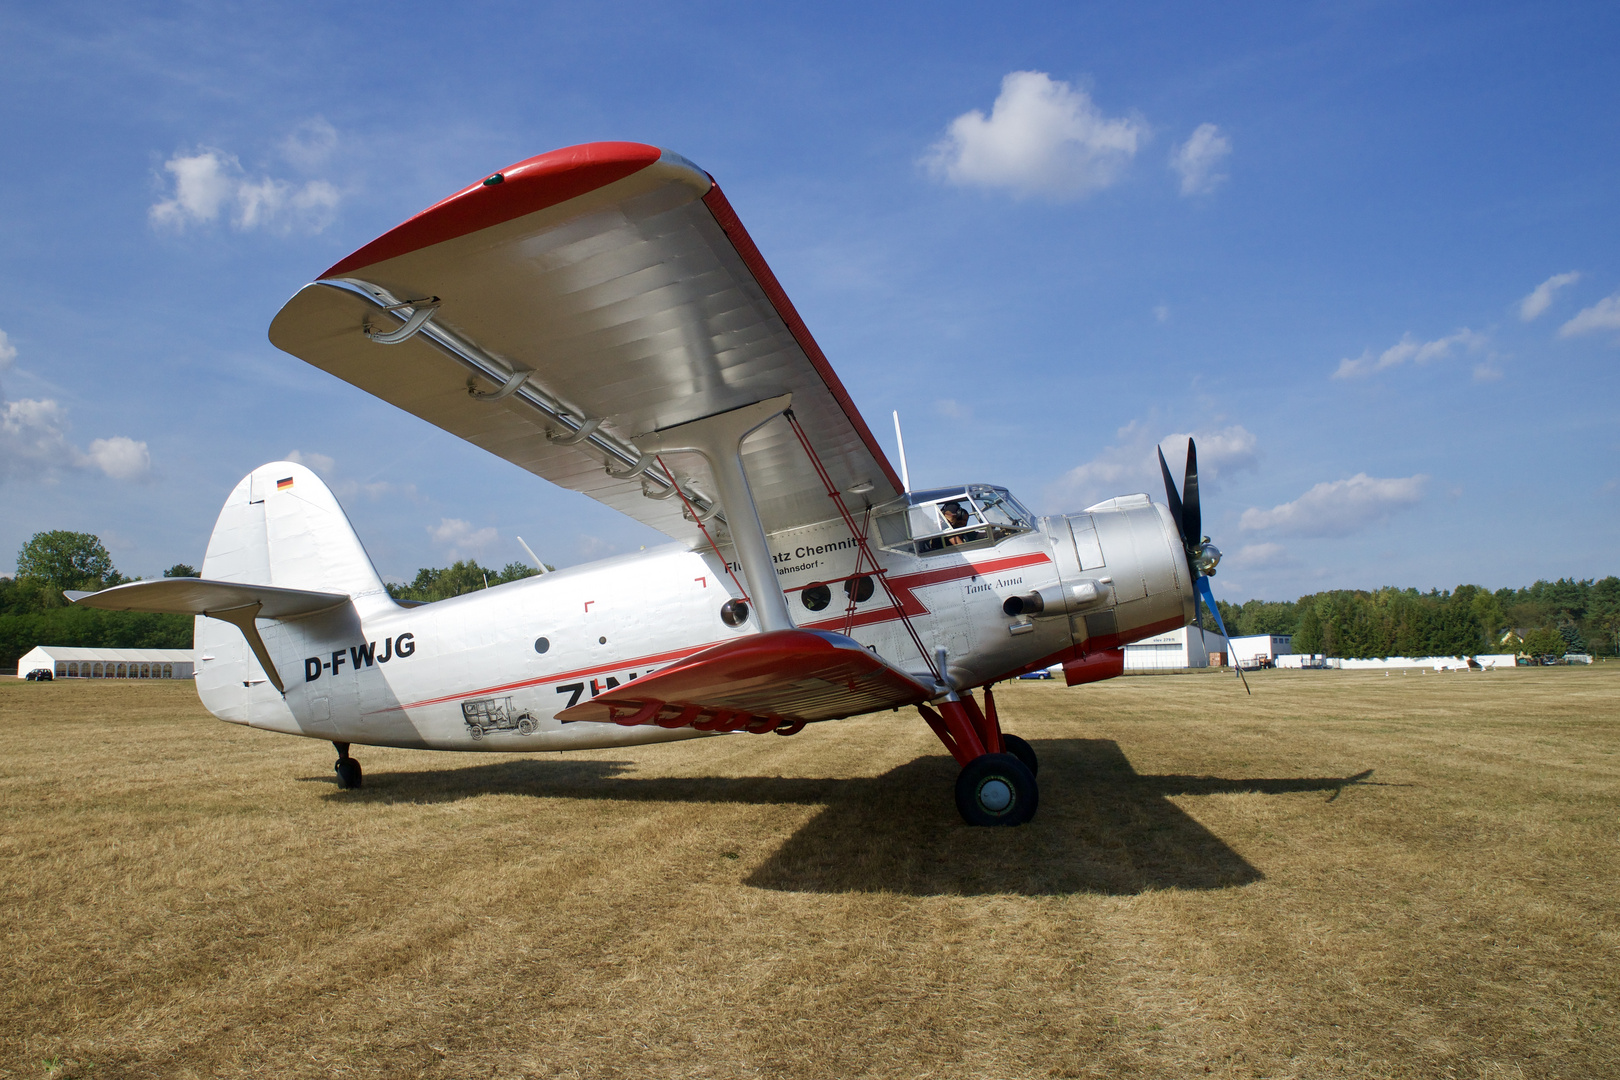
(996, 789)
(1024, 752)
(348, 774)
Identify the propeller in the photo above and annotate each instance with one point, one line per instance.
(1202, 556)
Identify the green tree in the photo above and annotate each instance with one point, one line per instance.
(461, 577)
(180, 569)
(1544, 641)
(61, 560)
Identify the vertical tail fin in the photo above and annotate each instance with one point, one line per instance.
(282, 526)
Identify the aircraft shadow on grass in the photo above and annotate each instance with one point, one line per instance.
(1102, 826)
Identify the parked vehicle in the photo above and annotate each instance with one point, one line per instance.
(40, 674)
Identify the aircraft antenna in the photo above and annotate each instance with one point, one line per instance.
(905, 477)
(533, 557)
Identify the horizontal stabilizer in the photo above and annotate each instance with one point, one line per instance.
(194, 596)
(763, 682)
(238, 603)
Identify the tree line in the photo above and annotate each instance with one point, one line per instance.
(1548, 617)
(34, 612)
(1554, 617)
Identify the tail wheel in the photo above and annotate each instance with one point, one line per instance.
(1021, 750)
(996, 789)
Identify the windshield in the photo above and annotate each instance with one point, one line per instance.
(952, 519)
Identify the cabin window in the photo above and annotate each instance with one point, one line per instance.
(952, 519)
(816, 597)
(859, 589)
(734, 613)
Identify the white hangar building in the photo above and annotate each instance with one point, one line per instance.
(1188, 647)
(66, 662)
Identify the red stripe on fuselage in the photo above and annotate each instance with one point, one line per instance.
(905, 585)
(578, 673)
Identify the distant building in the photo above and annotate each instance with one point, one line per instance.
(65, 662)
(1189, 647)
(1261, 650)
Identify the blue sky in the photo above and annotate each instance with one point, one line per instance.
(1367, 253)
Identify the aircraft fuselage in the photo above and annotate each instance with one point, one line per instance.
(489, 670)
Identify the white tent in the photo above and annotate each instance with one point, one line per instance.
(66, 662)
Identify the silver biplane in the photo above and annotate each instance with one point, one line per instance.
(599, 316)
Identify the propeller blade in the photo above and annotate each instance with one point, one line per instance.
(1209, 598)
(1192, 515)
(1173, 500)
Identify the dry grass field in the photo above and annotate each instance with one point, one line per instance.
(1345, 875)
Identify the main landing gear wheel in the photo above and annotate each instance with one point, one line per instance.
(1021, 750)
(996, 789)
(347, 769)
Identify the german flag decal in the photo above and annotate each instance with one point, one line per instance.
(284, 485)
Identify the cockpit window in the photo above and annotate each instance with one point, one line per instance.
(952, 519)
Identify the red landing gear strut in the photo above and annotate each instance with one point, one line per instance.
(997, 783)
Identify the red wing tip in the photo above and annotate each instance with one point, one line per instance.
(529, 185)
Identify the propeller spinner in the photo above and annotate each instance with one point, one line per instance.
(1202, 556)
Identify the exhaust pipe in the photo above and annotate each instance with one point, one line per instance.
(1058, 601)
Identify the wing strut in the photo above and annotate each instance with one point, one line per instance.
(864, 552)
(719, 438)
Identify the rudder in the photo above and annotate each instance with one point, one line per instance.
(282, 526)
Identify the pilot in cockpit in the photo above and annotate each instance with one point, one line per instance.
(957, 518)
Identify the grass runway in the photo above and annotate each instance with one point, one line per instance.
(1346, 874)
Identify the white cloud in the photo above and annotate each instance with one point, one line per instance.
(33, 432)
(120, 457)
(211, 183)
(1266, 556)
(310, 144)
(460, 539)
(1339, 507)
(1130, 465)
(1603, 315)
(1199, 157)
(346, 489)
(34, 442)
(1419, 352)
(1541, 297)
(1161, 312)
(952, 409)
(319, 463)
(1042, 137)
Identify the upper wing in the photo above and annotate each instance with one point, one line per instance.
(575, 301)
(759, 682)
